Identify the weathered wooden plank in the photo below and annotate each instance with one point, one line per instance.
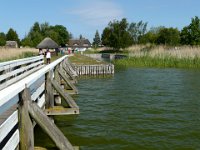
(19, 62)
(49, 127)
(60, 110)
(7, 125)
(64, 95)
(20, 70)
(13, 142)
(17, 78)
(67, 81)
(25, 123)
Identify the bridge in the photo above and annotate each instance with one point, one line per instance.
(30, 92)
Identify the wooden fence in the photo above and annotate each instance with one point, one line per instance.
(103, 69)
(26, 100)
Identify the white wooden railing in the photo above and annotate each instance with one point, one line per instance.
(11, 95)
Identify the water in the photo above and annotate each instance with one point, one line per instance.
(136, 109)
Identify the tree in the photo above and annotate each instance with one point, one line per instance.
(36, 27)
(169, 36)
(190, 35)
(105, 38)
(149, 37)
(137, 30)
(12, 36)
(2, 39)
(62, 34)
(38, 32)
(96, 40)
(117, 35)
(44, 27)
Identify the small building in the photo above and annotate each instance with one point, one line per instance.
(11, 44)
(78, 44)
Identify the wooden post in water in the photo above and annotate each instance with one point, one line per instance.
(25, 123)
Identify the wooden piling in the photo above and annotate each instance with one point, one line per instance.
(25, 123)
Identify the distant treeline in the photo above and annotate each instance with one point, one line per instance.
(121, 34)
(36, 34)
(117, 35)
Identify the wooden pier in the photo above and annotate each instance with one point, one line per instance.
(28, 90)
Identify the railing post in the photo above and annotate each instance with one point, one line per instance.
(25, 123)
(49, 92)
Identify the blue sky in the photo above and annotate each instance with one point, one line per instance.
(86, 16)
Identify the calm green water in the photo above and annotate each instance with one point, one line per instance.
(136, 109)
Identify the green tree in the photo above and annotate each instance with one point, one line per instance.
(137, 30)
(118, 35)
(38, 32)
(190, 34)
(12, 36)
(2, 39)
(105, 38)
(36, 27)
(149, 37)
(168, 36)
(27, 42)
(44, 27)
(96, 40)
(62, 34)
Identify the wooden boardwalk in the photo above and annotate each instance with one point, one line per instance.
(28, 90)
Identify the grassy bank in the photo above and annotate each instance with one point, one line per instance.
(160, 56)
(16, 53)
(84, 60)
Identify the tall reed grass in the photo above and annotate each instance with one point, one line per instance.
(160, 56)
(16, 53)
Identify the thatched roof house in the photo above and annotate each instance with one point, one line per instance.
(47, 43)
(11, 44)
(79, 43)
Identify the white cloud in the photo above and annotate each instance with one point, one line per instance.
(97, 13)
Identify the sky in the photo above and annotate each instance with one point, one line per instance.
(86, 16)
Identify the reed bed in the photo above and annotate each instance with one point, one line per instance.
(160, 56)
(16, 53)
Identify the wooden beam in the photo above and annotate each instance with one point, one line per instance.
(49, 97)
(68, 81)
(49, 127)
(59, 110)
(64, 95)
(25, 123)
(69, 73)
